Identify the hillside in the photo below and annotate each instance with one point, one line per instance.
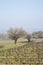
(29, 53)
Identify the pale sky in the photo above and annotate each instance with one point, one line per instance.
(21, 13)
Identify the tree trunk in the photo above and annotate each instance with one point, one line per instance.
(15, 41)
(28, 40)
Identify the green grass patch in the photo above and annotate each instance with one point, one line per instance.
(11, 46)
(1, 46)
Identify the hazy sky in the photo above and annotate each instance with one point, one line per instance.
(21, 13)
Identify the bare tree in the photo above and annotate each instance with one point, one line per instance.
(28, 37)
(16, 33)
(13, 34)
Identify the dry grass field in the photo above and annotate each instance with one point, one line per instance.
(22, 53)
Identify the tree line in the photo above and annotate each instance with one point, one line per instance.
(16, 33)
